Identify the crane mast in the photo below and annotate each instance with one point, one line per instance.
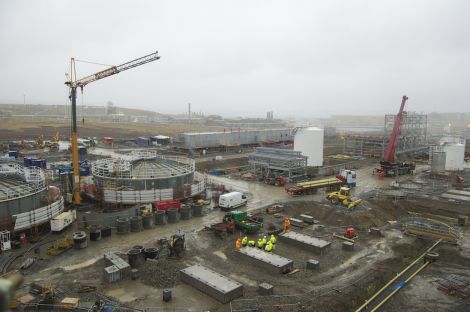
(73, 84)
(388, 166)
(390, 152)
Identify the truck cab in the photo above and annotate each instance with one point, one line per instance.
(348, 177)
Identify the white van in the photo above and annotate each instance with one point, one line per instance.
(232, 200)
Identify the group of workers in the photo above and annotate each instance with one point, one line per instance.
(263, 243)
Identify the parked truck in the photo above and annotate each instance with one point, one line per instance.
(242, 221)
(311, 187)
(62, 221)
(232, 200)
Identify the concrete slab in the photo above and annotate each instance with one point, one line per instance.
(265, 289)
(269, 261)
(313, 264)
(304, 241)
(456, 197)
(297, 222)
(212, 283)
(459, 192)
(307, 218)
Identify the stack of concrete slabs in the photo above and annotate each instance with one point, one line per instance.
(212, 283)
(304, 241)
(269, 261)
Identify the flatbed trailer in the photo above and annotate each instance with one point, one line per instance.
(311, 187)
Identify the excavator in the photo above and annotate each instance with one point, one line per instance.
(53, 144)
(176, 245)
(388, 166)
(343, 197)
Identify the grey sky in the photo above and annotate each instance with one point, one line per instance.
(297, 58)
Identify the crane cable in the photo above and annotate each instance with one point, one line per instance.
(94, 63)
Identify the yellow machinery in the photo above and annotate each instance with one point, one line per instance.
(60, 246)
(202, 202)
(39, 142)
(343, 196)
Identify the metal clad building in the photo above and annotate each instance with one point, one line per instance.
(235, 138)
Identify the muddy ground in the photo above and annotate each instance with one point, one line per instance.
(345, 278)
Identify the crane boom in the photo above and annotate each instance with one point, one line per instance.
(390, 152)
(80, 83)
(115, 70)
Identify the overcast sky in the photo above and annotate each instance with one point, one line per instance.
(296, 58)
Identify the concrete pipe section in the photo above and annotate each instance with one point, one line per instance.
(79, 240)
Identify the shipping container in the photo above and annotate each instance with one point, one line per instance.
(62, 221)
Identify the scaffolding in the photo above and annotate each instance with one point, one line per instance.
(411, 140)
(412, 137)
(273, 162)
(430, 228)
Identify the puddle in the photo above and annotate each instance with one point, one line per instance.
(122, 294)
(220, 254)
(81, 265)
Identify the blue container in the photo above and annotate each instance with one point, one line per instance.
(82, 150)
(28, 161)
(85, 171)
(40, 163)
(13, 154)
(64, 170)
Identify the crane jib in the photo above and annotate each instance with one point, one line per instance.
(116, 69)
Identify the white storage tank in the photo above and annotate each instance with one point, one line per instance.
(309, 141)
(454, 148)
(438, 161)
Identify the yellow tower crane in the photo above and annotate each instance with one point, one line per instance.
(75, 83)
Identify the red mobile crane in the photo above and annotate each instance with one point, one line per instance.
(388, 166)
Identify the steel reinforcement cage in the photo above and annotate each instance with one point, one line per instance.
(18, 181)
(145, 176)
(123, 167)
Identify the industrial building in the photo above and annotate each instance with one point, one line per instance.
(273, 162)
(412, 139)
(145, 177)
(235, 138)
(25, 200)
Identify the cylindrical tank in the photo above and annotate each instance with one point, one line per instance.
(95, 232)
(172, 215)
(151, 253)
(309, 141)
(438, 164)
(160, 217)
(147, 221)
(197, 210)
(106, 231)
(455, 155)
(185, 212)
(134, 256)
(123, 225)
(79, 240)
(136, 224)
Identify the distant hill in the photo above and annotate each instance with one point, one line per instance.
(64, 110)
